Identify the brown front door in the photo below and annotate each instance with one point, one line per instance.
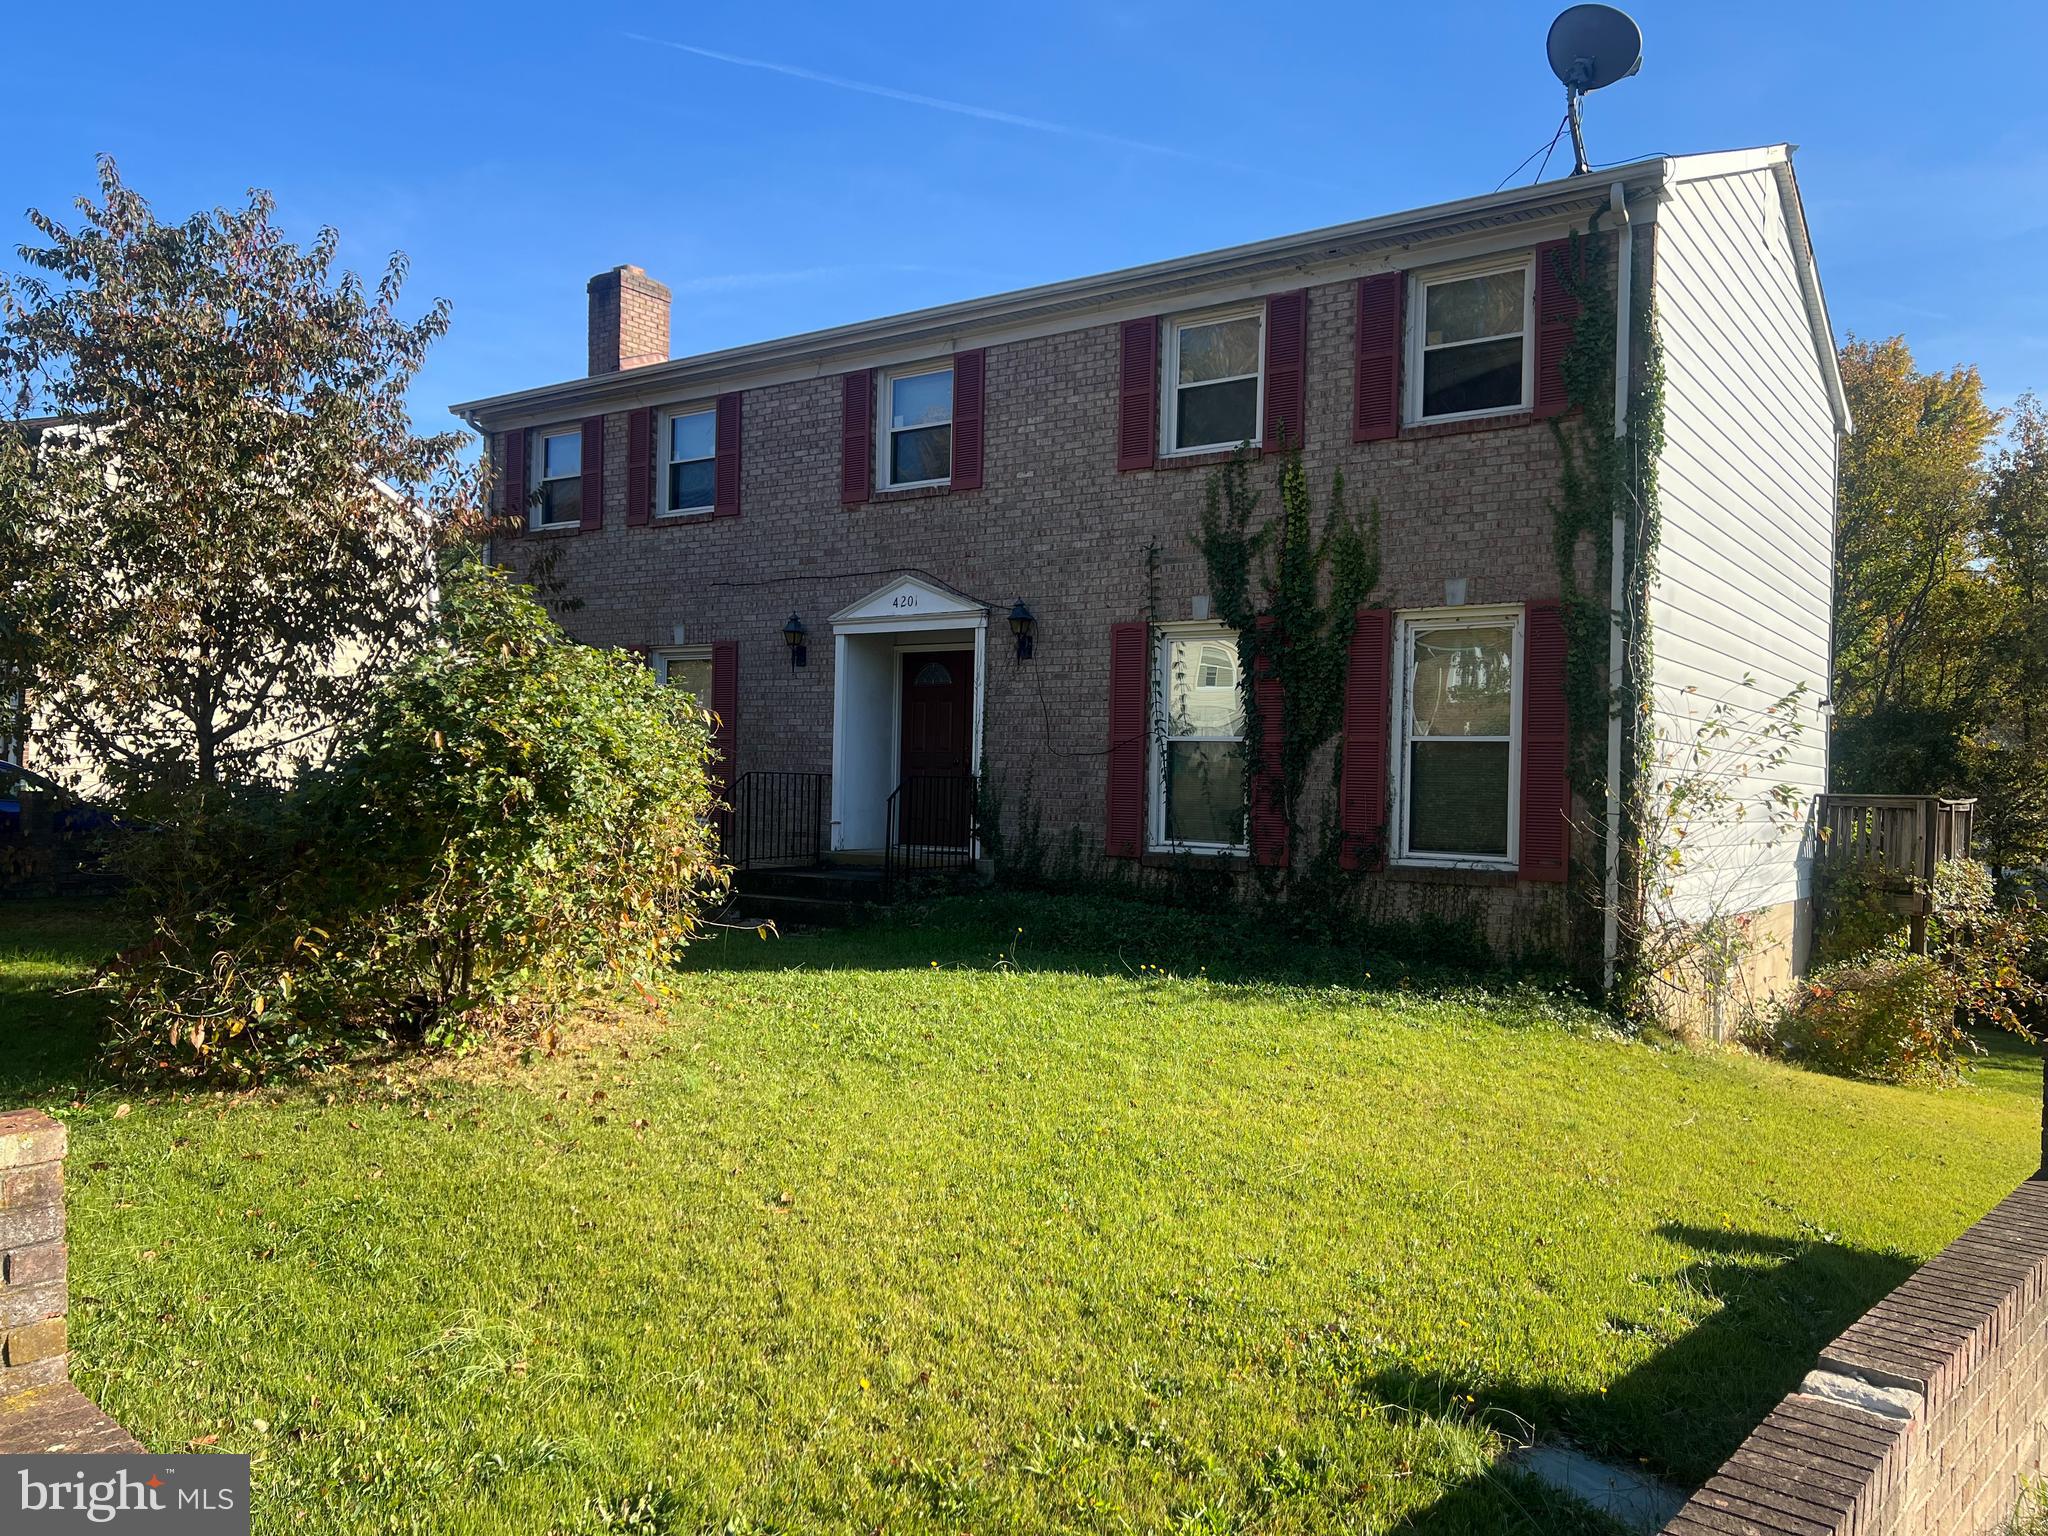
(936, 803)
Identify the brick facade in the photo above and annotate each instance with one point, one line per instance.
(1056, 524)
(1924, 1419)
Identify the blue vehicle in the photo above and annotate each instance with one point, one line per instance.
(48, 836)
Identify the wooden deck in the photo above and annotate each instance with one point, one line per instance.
(59, 1420)
(1902, 838)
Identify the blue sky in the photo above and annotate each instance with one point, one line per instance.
(513, 150)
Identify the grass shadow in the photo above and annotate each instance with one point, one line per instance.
(1686, 1408)
(50, 1040)
(1097, 934)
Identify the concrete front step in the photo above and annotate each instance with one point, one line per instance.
(795, 911)
(825, 883)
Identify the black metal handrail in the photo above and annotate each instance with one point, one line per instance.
(776, 819)
(930, 825)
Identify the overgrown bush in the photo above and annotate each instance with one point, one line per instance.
(1875, 1010)
(1858, 913)
(522, 821)
(1886, 1014)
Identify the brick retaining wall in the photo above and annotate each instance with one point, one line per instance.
(41, 1412)
(32, 1252)
(1923, 1418)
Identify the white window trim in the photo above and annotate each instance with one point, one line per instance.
(663, 655)
(1169, 418)
(883, 432)
(1156, 840)
(664, 420)
(1419, 284)
(1422, 621)
(538, 477)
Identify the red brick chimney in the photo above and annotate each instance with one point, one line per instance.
(628, 320)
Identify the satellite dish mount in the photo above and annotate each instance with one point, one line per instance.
(1591, 46)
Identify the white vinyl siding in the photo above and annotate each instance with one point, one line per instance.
(1741, 608)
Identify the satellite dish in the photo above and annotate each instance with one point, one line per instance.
(1591, 46)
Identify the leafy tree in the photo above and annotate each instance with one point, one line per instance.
(1912, 674)
(1912, 481)
(2009, 757)
(207, 541)
(520, 821)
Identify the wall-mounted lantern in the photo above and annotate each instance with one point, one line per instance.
(1023, 626)
(793, 637)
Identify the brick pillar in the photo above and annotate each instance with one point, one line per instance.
(628, 320)
(32, 1252)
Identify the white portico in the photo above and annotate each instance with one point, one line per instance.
(909, 667)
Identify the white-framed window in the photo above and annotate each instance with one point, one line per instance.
(1469, 335)
(558, 476)
(689, 459)
(914, 428)
(1199, 772)
(1215, 381)
(1458, 716)
(687, 667)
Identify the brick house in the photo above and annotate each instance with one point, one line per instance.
(895, 493)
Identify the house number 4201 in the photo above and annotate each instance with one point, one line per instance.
(903, 600)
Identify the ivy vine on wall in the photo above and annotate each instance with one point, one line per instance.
(1292, 590)
(1606, 478)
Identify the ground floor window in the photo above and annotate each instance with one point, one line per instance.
(1201, 768)
(687, 668)
(1458, 706)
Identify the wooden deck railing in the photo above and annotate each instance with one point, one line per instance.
(1903, 837)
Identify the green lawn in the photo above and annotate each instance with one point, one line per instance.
(945, 1228)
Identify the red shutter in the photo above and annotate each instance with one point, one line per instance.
(1376, 368)
(1137, 411)
(639, 467)
(726, 497)
(514, 469)
(1557, 311)
(725, 703)
(1268, 815)
(1546, 734)
(856, 437)
(968, 368)
(1286, 424)
(1130, 650)
(593, 472)
(1368, 687)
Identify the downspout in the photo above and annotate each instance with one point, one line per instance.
(1610, 934)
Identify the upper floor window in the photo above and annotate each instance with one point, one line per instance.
(1468, 347)
(1201, 772)
(558, 472)
(690, 455)
(1212, 369)
(1460, 699)
(916, 439)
